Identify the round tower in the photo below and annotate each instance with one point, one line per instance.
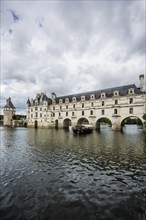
(9, 111)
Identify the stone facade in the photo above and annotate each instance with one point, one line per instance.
(115, 104)
(9, 111)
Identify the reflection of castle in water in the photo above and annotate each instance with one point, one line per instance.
(116, 104)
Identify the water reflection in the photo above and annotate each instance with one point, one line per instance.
(52, 174)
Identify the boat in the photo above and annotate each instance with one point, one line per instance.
(82, 129)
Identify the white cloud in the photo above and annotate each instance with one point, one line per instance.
(69, 46)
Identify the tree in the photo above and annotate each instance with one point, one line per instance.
(144, 116)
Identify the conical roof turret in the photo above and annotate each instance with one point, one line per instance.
(9, 104)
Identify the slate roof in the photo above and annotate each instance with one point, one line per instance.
(9, 104)
(123, 91)
(40, 97)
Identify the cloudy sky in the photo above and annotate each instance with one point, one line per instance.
(69, 47)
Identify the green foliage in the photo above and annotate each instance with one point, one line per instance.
(105, 120)
(19, 117)
(1, 117)
(133, 121)
(144, 116)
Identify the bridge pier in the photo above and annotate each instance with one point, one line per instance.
(116, 123)
(144, 126)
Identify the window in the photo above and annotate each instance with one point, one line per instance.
(116, 101)
(131, 111)
(74, 105)
(82, 112)
(82, 97)
(92, 96)
(102, 111)
(40, 115)
(91, 112)
(66, 113)
(131, 91)
(59, 114)
(103, 95)
(31, 115)
(131, 100)
(92, 104)
(36, 114)
(74, 99)
(116, 93)
(40, 109)
(73, 114)
(60, 100)
(60, 107)
(66, 106)
(53, 108)
(36, 108)
(82, 105)
(66, 100)
(115, 111)
(53, 114)
(102, 103)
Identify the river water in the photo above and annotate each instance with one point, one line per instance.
(55, 175)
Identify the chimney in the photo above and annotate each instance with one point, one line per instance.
(141, 78)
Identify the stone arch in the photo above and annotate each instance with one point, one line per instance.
(131, 120)
(82, 121)
(66, 123)
(103, 120)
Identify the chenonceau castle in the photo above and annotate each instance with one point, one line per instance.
(115, 104)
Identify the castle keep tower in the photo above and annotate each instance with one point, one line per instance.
(9, 111)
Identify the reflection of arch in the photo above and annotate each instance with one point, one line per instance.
(36, 124)
(131, 120)
(56, 123)
(66, 123)
(82, 121)
(103, 120)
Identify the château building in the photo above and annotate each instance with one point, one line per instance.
(116, 104)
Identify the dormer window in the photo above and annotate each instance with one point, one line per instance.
(66, 100)
(74, 99)
(92, 96)
(82, 98)
(103, 95)
(131, 91)
(60, 101)
(116, 93)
